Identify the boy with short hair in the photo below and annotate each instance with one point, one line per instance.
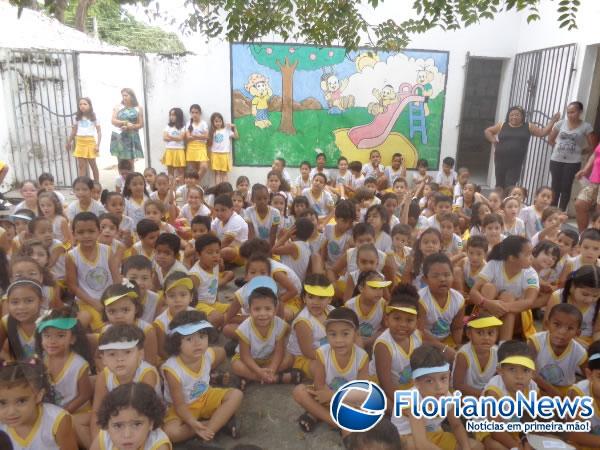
(138, 268)
(167, 249)
(46, 181)
(338, 236)
(230, 228)
(207, 279)
(516, 368)
(442, 204)
(358, 179)
(199, 227)
(447, 176)
(279, 164)
(342, 179)
(320, 161)
(148, 232)
(462, 179)
(294, 249)
(396, 170)
(589, 252)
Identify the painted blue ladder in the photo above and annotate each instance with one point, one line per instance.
(416, 114)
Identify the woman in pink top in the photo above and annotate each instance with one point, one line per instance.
(588, 196)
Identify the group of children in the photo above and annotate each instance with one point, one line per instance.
(114, 317)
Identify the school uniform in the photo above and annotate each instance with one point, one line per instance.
(584, 389)
(261, 347)
(455, 245)
(163, 320)
(138, 249)
(111, 381)
(335, 244)
(42, 434)
(400, 365)
(208, 287)
(65, 384)
(150, 304)
(438, 320)
(201, 399)
(371, 322)
(335, 375)
(322, 204)
(383, 241)
(75, 208)
(263, 225)
(93, 277)
(135, 209)
(176, 267)
(559, 371)
(298, 264)
(294, 303)
(532, 220)
(187, 214)
(495, 273)
(156, 438)
(27, 341)
(477, 376)
(518, 229)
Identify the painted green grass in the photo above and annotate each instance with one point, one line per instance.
(314, 129)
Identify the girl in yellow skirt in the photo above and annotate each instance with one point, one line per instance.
(86, 134)
(219, 143)
(196, 136)
(174, 137)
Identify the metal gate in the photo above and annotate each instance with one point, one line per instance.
(43, 88)
(541, 84)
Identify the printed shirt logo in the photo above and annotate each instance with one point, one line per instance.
(97, 278)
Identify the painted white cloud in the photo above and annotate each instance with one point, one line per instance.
(397, 69)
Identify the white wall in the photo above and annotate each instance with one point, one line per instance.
(204, 77)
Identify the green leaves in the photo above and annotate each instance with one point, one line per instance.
(340, 22)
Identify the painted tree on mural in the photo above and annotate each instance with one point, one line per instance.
(287, 59)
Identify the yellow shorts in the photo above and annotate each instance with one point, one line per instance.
(97, 323)
(220, 161)
(85, 147)
(196, 151)
(174, 157)
(204, 406)
(216, 306)
(302, 363)
(527, 324)
(340, 285)
(238, 260)
(294, 304)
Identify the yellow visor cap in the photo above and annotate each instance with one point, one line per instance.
(406, 309)
(519, 361)
(484, 322)
(378, 283)
(114, 298)
(185, 282)
(319, 291)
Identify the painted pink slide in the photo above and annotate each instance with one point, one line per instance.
(375, 133)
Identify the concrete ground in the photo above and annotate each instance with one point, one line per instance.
(268, 417)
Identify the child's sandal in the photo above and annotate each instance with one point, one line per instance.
(240, 383)
(232, 427)
(295, 376)
(307, 422)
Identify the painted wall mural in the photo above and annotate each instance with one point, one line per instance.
(296, 101)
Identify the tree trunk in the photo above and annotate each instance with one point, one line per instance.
(59, 10)
(287, 96)
(81, 14)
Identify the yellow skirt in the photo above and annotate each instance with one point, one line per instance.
(220, 162)
(196, 151)
(216, 306)
(174, 157)
(85, 147)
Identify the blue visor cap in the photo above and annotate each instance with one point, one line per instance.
(261, 282)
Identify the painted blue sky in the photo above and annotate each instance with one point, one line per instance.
(243, 65)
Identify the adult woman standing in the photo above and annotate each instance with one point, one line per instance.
(127, 119)
(510, 140)
(569, 137)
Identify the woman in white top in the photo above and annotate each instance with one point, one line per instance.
(569, 137)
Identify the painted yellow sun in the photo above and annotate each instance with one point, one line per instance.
(366, 59)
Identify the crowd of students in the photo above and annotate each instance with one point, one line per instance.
(113, 305)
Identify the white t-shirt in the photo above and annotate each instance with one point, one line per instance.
(570, 143)
(446, 180)
(235, 227)
(494, 272)
(369, 171)
(86, 128)
(174, 132)
(198, 129)
(222, 141)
